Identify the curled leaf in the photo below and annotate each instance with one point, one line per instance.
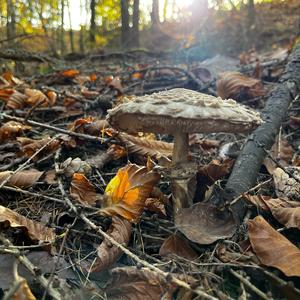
(145, 147)
(82, 190)
(174, 245)
(35, 97)
(10, 130)
(120, 231)
(30, 146)
(288, 216)
(204, 224)
(126, 193)
(236, 85)
(272, 248)
(36, 230)
(13, 98)
(22, 179)
(23, 292)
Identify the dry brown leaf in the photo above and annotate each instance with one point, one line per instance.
(120, 231)
(116, 84)
(131, 283)
(36, 230)
(11, 78)
(267, 203)
(126, 193)
(30, 146)
(145, 147)
(82, 190)
(155, 205)
(13, 98)
(282, 152)
(36, 97)
(238, 86)
(23, 292)
(10, 130)
(22, 179)
(272, 248)
(288, 216)
(286, 186)
(204, 224)
(174, 245)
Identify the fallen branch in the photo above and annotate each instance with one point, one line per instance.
(248, 164)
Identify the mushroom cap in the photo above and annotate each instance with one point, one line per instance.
(183, 110)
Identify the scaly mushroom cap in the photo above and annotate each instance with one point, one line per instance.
(183, 110)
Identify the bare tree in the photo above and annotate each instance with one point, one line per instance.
(62, 25)
(11, 20)
(135, 23)
(93, 21)
(125, 34)
(155, 14)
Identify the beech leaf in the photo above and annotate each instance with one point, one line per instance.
(82, 190)
(120, 231)
(204, 224)
(22, 179)
(36, 230)
(272, 248)
(126, 193)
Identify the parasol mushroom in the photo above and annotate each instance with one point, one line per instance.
(180, 112)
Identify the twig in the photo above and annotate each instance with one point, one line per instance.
(250, 285)
(56, 129)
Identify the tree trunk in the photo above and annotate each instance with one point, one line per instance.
(125, 34)
(155, 14)
(71, 33)
(11, 20)
(62, 30)
(250, 24)
(135, 24)
(93, 22)
(165, 10)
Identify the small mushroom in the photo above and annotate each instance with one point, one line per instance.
(180, 112)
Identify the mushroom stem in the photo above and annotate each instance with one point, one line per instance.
(181, 148)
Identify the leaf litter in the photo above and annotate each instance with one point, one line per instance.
(121, 183)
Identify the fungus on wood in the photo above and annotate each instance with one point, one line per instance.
(180, 112)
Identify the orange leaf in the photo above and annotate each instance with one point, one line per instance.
(126, 193)
(70, 73)
(272, 248)
(10, 130)
(82, 190)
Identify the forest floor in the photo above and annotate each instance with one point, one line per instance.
(86, 210)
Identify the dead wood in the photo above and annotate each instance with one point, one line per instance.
(248, 164)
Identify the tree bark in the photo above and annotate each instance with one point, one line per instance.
(93, 22)
(62, 29)
(135, 24)
(71, 33)
(11, 20)
(155, 14)
(248, 164)
(125, 34)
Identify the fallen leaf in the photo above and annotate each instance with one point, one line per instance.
(155, 205)
(204, 224)
(36, 230)
(21, 179)
(126, 193)
(176, 246)
(116, 84)
(145, 147)
(30, 146)
(36, 97)
(11, 78)
(23, 292)
(237, 86)
(70, 73)
(82, 190)
(288, 216)
(10, 130)
(131, 283)
(281, 152)
(120, 231)
(272, 248)
(13, 98)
